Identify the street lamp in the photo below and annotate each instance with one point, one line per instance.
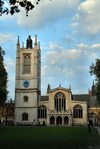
(88, 118)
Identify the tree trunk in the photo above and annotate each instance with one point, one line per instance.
(6, 119)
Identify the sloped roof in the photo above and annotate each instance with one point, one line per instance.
(44, 98)
(82, 97)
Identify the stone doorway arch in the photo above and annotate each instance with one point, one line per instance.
(59, 120)
(66, 120)
(52, 120)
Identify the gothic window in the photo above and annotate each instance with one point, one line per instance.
(27, 64)
(60, 102)
(25, 98)
(42, 112)
(25, 117)
(78, 111)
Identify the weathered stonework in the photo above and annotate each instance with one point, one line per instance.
(27, 70)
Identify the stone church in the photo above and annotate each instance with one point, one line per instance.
(58, 107)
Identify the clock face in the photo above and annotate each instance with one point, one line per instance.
(26, 84)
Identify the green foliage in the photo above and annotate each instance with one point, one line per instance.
(3, 79)
(14, 6)
(95, 70)
(97, 91)
(7, 110)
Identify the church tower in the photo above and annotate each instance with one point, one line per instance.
(27, 82)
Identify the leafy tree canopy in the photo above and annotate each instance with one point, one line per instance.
(14, 6)
(7, 110)
(95, 70)
(3, 79)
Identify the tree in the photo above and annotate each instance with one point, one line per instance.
(3, 79)
(95, 70)
(7, 110)
(14, 6)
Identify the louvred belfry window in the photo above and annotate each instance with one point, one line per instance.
(27, 64)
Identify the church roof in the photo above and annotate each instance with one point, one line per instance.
(82, 97)
(44, 98)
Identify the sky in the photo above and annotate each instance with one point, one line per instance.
(69, 35)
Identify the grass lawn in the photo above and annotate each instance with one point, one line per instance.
(47, 137)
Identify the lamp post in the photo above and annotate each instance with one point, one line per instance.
(88, 118)
(92, 118)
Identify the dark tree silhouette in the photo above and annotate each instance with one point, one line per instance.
(7, 110)
(14, 6)
(95, 70)
(3, 79)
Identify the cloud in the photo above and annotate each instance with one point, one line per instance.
(10, 66)
(92, 56)
(68, 66)
(81, 46)
(70, 74)
(6, 37)
(95, 47)
(47, 13)
(8, 59)
(80, 67)
(74, 32)
(88, 18)
(43, 43)
(81, 91)
(64, 70)
(54, 47)
(76, 17)
(74, 24)
(50, 71)
(11, 87)
(68, 39)
(59, 58)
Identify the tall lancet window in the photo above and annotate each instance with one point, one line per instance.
(27, 63)
(60, 101)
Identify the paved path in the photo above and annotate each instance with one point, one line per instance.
(98, 130)
(95, 146)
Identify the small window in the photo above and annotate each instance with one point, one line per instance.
(25, 98)
(25, 117)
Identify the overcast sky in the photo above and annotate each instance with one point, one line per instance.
(69, 35)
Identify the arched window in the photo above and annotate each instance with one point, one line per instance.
(52, 120)
(25, 117)
(42, 112)
(27, 63)
(78, 111)
(25, 98)
(60, 102)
